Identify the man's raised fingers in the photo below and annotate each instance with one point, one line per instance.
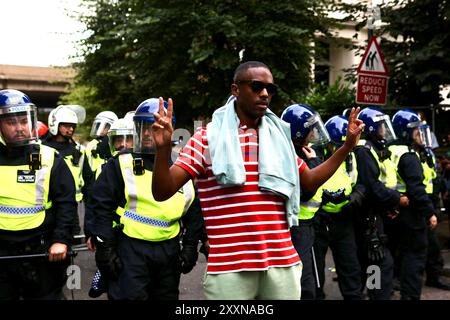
(162, 113)
(169, 109)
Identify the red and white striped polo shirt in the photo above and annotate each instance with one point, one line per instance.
(247, 228)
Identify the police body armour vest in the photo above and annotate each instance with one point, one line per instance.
(145, 218)
(24, 193)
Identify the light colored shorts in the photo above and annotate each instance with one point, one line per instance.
(277, 283)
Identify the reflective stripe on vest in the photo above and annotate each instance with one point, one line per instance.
(23, 205)
(77, 173)
(94, 162)
(145, 218)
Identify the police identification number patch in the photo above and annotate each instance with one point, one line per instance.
(26, 176)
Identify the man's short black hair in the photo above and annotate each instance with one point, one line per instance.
(247, 65)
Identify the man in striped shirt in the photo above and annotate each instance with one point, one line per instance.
(251, 252)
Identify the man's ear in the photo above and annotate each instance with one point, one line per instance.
(234, 90)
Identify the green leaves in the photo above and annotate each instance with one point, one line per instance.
(188, 50)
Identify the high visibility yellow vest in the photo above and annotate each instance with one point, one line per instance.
(145, 218)
(397, 152)
(388, 170)
(24, 193)
(95, 162)
(340, 179)
(429, 174)
(77, 172)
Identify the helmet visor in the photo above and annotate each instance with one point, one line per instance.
(317, 134)
(425, 136)
(119, 142)
(385, 131)
(143, 139)
(99, 128)
(19, 127)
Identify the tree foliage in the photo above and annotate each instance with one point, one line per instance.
(417, 49)
(415, 40)
(188, 50)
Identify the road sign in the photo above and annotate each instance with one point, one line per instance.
(372, 76)
(372, 61)
(371, 89)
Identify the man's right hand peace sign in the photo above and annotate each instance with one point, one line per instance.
(162, 127)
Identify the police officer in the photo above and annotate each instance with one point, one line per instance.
(340, 198)
(62, 123)
(377, 174)
(141, 255)
(307, 129)
(435, 261)
(97, 150)
(37, 206)
(412, 220)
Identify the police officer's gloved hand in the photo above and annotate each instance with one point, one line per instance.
(375, 246)
(189, 255)
(356, 200)
(108, 262)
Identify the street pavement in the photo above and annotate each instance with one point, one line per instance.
(191, 284)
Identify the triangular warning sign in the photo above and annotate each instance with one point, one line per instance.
(372, 61)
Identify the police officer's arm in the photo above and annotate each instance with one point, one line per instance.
(410, 169)
(166, 180)
(368, 173)
(311, 179)
(64, 207)
(106, 195)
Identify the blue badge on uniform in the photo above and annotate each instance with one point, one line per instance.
(26, 176)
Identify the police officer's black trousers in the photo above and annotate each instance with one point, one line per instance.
(336, 231)
(435, 262)
(303, 240)
(413, 255)
(30, 278)
(151, 270)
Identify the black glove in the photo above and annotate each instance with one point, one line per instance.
(189, 257)
(108, 262)
(356, 200)
(375, 246)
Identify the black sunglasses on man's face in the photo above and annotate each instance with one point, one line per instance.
(258, 86)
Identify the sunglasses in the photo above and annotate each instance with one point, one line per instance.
(258, 86)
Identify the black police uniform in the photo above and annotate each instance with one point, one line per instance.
(379, 199)
(37, 278)
(141, 270)
(412, 227)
